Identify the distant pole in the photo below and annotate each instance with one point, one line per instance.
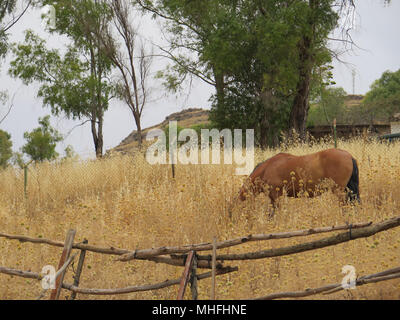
(25, 179)
(354, 80)
(173, 166)
(334, 132)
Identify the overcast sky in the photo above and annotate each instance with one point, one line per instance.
(376, 33)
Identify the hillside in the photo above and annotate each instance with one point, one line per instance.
(186, 118)
(353, 100)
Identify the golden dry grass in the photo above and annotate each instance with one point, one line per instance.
(124, 202)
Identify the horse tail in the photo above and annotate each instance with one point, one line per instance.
(353, 184)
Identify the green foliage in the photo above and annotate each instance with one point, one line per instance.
(5, 148)
(18, 160)
(166, 132)
(385, 87)
(6, 8)
(250, 51)
(383, 99)
(41, 142)
(70, 153)
(201, 126)
(329, 105)
(197, 128)
(67, 83)
(75, 83)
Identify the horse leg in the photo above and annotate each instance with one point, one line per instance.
(271, 214)
(341, 195)
(230, 209)
(273, 206)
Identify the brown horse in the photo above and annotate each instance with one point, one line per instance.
(303, 173)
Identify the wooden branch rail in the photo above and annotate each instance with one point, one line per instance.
(322, 243)
(143, 253)
(33, 275)
(156, 254)
(156, 286)
(174, 261)
(328, 289)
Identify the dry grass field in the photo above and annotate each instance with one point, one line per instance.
(126, 203)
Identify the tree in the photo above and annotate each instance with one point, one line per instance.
(130, 59)
(233, 46)
(41, 142)
(8, 18)
(70, 153)
(383, 99)
(319, 20)
(5, 148)
(76, 83)
(261, 56)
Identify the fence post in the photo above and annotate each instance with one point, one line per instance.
(25, 179)
(69, 241)
(79, 270)
(173, 166)
(214, 263)
(185, 275)
(193, 279)
(334, 132)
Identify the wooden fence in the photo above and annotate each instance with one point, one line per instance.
(188, 256)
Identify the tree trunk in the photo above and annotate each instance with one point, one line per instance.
(299, 112)
(100, 142)
(219, 86)
(139, 129)
(97, 142)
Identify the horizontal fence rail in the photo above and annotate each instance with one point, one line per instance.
(234, 242)
(130, 289)
(302, 247)
(331, 288)
(154, 254)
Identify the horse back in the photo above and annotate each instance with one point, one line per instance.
(265, 168)
(335, 164)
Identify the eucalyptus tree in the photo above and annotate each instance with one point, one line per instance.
(76, 82)
(41, 142)
(129, 56)
(9, 16)
(5, 148)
